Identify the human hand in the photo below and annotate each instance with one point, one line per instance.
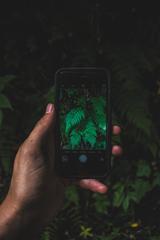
(34, 184)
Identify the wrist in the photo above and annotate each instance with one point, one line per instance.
(9, 219)
(18, 221)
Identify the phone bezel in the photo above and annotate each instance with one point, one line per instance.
(81, 70)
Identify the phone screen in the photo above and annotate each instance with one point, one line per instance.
(83, 120)
(83, 123)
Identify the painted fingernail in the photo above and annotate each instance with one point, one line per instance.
(49, 108)
(117, 150)
(116, 129)
(103, 189)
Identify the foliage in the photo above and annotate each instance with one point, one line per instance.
(4, 102)
(84, 125)
(122, 39)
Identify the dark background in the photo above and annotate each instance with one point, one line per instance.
(35, 40)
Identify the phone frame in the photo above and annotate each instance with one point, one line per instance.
(76, 70)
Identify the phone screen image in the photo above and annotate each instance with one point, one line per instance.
(83, 120)
(83, 123)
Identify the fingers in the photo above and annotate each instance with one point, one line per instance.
(116, 130)
(93, 185)
(116, 150)
(90, 184)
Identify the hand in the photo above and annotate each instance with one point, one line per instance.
(34, 184)
(93, 184)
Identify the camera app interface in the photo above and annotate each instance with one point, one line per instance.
(83, 120)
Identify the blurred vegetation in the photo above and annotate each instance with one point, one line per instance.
(38, 39)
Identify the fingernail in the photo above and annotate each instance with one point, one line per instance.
(102, 189)
(116, 129)
(49, 108)
(117, 150)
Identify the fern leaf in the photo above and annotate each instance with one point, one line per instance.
(1, 117)
(99, 112)
(5, 80)
(98, 104)
(74, 117)
(130, 97)
(89, 133)
(75, 139)
(4, 102)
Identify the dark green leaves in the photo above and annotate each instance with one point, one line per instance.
(84, 124)
(1, 117)
(89, 133)
(74, 117)
(75, 138)
(140, 188)
(144, 169)
(118, 195)
(101, 203)
(5, 80)
(72, 195)
(132, 191)
(99, 112)
(4, 102)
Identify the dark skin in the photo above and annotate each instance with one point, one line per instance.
(36, 194)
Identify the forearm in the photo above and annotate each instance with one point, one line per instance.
(17, 223)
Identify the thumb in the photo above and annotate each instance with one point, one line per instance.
(44, 125)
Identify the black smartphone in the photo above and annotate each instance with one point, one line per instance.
(83, 122)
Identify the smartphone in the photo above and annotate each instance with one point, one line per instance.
(83, 122)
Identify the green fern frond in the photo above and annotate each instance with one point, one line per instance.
(5, 80)
(130, 99)
(75, 138)
(50, 232)
(98, 104)
(1, 117)
(73, 118)
(89, 133)
(65, 225)
(99, 112)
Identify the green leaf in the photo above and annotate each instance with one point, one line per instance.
(72, 195)
(50, 95)
(81, 102)
(156, 180)
(155, 238)
(132, 196)
(127, 75)
(115, 234)
(86, 232)
(141, 187)
(118, 195)
(126, 203)
(4, 102)
(99, 112)
(153, 147)
(5, 80)
(101, 203)
(74, 117)
(46, 235)
(1, 117)
(89, 133)
(75, 138)
(98, 104)
(144, 169)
